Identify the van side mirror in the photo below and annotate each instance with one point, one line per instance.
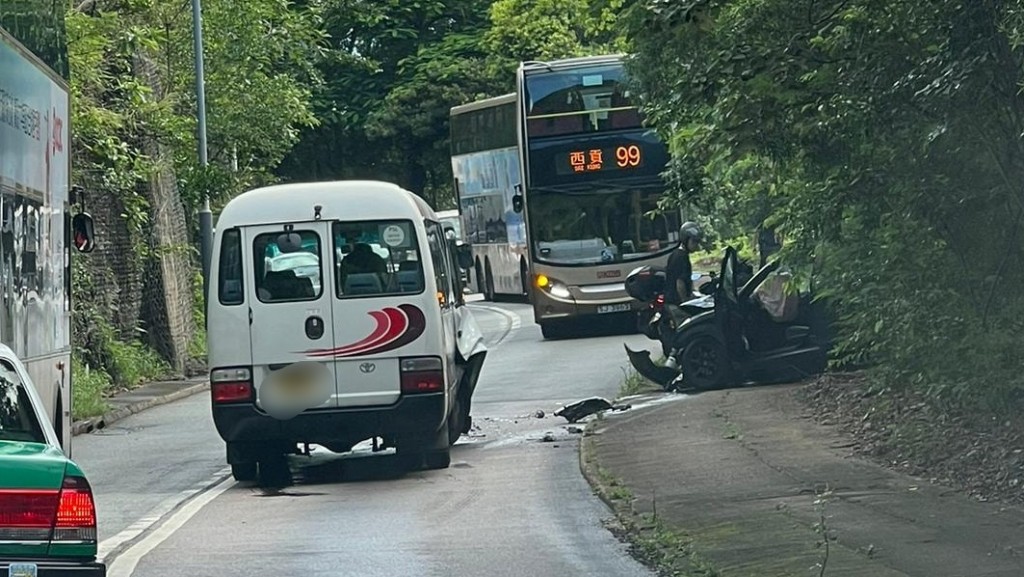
(82, 232)
(517, 202)
(464, 252)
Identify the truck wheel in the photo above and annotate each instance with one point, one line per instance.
(244, 471)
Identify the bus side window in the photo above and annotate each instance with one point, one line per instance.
(229, 276)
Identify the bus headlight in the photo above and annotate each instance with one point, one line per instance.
(559, 290)
(552, 286)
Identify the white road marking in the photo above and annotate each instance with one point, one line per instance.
(515, 323)
(125, 563)
(112, 544)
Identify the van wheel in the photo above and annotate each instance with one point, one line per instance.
(244, 471)
(274, 472)
(437, 459)
(455, 422)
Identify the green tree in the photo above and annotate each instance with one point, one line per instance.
(393, 71)
(883, 140)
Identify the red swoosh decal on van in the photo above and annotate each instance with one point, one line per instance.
(395, 327)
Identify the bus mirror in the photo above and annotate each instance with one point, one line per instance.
(82, 233)
(465, 255)
(517, 203)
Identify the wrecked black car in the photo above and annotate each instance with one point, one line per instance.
(756, 332)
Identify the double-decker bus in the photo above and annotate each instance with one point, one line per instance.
(587, 178)
(592, 183)
(486, 169)
(36, 230)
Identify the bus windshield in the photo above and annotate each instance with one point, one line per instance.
(599, 226)
(585, 99)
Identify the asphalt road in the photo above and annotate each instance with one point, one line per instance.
(511, 503)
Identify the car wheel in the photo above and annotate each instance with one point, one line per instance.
(704, 363)
(244, 471)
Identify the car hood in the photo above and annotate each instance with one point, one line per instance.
(31, 466)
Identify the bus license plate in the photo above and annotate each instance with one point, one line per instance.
(22, 570)
(619, 308)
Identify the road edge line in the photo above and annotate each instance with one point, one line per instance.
(124, 564)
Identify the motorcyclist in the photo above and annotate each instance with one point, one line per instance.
(679, 270)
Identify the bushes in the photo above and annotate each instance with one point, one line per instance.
(882, 140)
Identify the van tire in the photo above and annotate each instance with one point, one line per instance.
(455, 422)
(244, 472)
(437, 459)
(274, 472)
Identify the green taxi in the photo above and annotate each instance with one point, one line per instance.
(47, 510)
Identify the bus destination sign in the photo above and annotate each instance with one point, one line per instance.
(622, 157)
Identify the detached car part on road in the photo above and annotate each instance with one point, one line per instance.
(47, 510)
(382, 347)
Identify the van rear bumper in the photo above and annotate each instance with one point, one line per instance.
(411, 416)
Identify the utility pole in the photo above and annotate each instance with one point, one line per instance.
(205, 214)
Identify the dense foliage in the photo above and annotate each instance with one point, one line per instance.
(883, 139)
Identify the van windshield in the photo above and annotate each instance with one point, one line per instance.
(376, 258)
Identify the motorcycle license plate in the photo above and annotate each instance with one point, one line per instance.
(617, 308)
(22, 570)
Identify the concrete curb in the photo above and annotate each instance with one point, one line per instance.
(110, 417)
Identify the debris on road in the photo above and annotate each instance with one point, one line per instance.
(548, 437)
(574, 430)
(573, 412)
(538, 414)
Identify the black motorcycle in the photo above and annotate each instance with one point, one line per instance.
(738, 341)
(658, 319)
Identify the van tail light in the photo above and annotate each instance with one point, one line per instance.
(76, 512)
(233, 385)
(422, 375)
(67, 514)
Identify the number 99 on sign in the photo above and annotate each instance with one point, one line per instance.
(627, 156)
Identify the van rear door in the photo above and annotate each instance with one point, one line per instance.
(377, 322)
(290, 311)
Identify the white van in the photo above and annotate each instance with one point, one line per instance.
(367, 338)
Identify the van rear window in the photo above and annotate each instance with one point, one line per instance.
(230, 288)
(287, 266)
(377, 258)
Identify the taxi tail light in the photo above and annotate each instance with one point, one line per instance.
(76, 512)
(422, 375)
(233, 385)
(27, 515)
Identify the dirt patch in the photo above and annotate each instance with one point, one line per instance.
(978, 454)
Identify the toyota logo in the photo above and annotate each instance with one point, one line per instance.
(367, 367)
